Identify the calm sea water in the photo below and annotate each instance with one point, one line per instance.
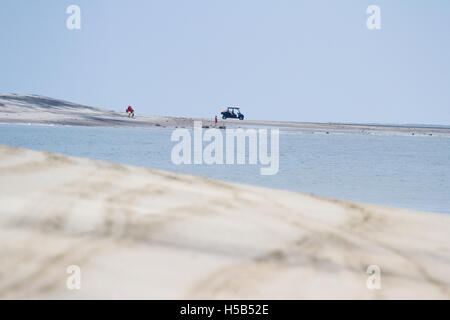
(401, 171)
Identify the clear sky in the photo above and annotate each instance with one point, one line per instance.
(279, 59)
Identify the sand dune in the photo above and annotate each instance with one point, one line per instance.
(142, 233)
(15, 108)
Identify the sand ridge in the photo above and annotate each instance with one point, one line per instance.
(35, 109)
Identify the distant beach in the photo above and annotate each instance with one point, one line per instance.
(35, 109)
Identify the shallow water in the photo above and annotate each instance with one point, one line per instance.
(401, 171)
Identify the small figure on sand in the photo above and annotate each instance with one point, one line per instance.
(130, 112)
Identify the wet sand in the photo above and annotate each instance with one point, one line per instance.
(143, 233)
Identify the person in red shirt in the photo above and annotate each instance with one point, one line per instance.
(130, 111)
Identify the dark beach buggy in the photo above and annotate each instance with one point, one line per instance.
(232, 112)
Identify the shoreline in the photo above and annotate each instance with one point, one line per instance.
(149, 234)
(149, 122)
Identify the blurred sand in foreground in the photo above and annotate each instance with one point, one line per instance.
(143, 233)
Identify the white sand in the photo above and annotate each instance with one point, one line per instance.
(142, 233)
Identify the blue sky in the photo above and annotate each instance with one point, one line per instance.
(283, 60)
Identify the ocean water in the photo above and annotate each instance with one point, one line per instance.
(400, 171)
